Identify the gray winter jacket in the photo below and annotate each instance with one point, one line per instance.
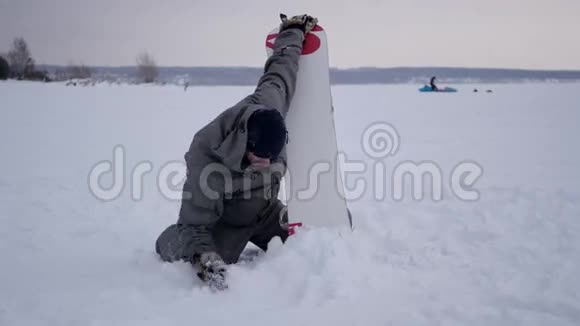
(220, 191)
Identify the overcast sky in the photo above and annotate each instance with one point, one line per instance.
(537, 34)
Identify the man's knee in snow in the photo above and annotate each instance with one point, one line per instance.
(166, 242)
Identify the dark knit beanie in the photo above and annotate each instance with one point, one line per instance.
(267, 133)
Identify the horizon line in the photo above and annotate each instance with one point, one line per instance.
(332, 67)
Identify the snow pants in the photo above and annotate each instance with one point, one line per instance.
(229, 240)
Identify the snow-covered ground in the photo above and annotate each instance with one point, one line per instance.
(512, 257)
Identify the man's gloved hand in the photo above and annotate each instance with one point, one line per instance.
(212, 269)
(303, 22)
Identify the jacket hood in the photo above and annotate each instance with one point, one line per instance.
(232, 149)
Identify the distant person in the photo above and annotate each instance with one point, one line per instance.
(234, 169)
(434, 87)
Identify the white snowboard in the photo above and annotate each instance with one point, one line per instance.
(313, 187)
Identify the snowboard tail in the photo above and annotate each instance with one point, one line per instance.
(312, 144)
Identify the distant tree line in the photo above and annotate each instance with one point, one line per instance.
(19, 64)
(73, 71)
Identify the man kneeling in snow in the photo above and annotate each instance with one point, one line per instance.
(234, 168)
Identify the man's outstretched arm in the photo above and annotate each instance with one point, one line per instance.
(277, 85)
